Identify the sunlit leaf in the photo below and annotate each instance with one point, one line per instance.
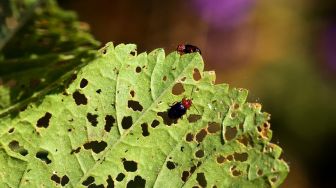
(109, 127)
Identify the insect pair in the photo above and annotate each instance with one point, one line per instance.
(180, 108)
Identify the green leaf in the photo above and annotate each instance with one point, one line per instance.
(44, 53)
(109, 127)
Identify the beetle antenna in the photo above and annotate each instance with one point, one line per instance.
(196, 109)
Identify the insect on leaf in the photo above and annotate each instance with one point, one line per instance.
(110, 128)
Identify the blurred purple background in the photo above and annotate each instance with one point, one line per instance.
(329, 46)
(223, 14)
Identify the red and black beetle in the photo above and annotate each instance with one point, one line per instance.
(187, 48)
(179, 109)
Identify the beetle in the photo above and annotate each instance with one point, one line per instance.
(187, 48)
(179, 109)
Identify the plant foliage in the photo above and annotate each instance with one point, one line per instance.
(102, 121)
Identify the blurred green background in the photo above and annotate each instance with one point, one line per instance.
(283, 51)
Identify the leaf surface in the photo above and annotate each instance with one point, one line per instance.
(109, 127)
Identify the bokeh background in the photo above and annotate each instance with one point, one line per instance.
(283, 51)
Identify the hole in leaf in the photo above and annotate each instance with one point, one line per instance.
(201, 179)
(166, 120)
(95, 146)
(64, 180)
(233, 114)
(88, 181)
(189, 137)
(79, 98)
(109, 121)
(199, 153)
(132, 93)
(104, 51)
(274, 179)
(221, 159)
(11, 130)
(193, 118)
(75, 150)
(213, 127)
(192, 169)
(15, 146)
(178, 89)
(130, 166)
(44, 121)
(92, 118)
(110, 182)
(43, 156)
(243, 140)
(144, 127)
(126, 122)
(98, 91)
(240, 156)
(236, 172)
(120, 177)
(230, 133)
(170, 165)
(197, 75)
(260, 172)
(138, 182)
(266, 125)
(135, 105)
(83, 83)
(138, 70)
(201, 135)
(155, 123)
(185, 175)
(56, 178)
(229, 157)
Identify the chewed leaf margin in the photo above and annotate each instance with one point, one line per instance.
(110, 127)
